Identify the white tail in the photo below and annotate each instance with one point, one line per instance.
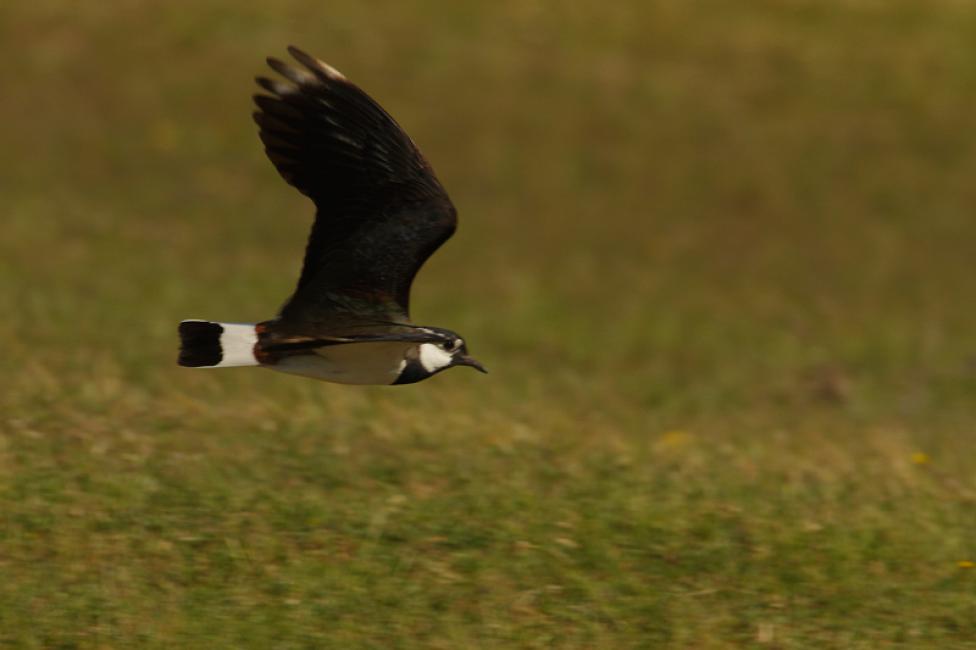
(205, 344)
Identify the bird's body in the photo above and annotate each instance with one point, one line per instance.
(361, 363)
(381, 213)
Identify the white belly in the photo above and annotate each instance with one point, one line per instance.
(353, 363)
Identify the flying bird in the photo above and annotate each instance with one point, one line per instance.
(380, 213)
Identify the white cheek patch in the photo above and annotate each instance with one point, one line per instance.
(433, 358)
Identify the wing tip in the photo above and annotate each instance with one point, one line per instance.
(297, 76)
(315, 65)
(273, 86)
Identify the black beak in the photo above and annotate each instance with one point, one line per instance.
(468, 361)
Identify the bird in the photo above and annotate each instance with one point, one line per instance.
(380, 213)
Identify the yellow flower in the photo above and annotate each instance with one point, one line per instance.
(920, 458)
(965, 564)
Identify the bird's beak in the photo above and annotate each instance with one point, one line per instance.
(468, 361)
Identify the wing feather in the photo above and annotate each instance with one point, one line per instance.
(380, 210)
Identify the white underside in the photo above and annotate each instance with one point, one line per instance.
(353, 363)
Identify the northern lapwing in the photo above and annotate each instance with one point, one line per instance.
(380, 213)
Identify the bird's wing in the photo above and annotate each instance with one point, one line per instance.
(299, 343)
(380, 211)
(274, 342)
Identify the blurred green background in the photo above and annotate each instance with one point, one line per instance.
(717, 256)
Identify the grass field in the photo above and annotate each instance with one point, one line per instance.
(718, 258)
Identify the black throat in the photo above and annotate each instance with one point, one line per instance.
(413, 372)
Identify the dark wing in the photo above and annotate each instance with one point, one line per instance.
(275, 341)
(278, 344)
(381, 212)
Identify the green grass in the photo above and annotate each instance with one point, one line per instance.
(717, 256)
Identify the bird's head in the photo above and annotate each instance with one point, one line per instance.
(429, 358)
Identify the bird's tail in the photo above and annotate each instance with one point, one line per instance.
(204, 344)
